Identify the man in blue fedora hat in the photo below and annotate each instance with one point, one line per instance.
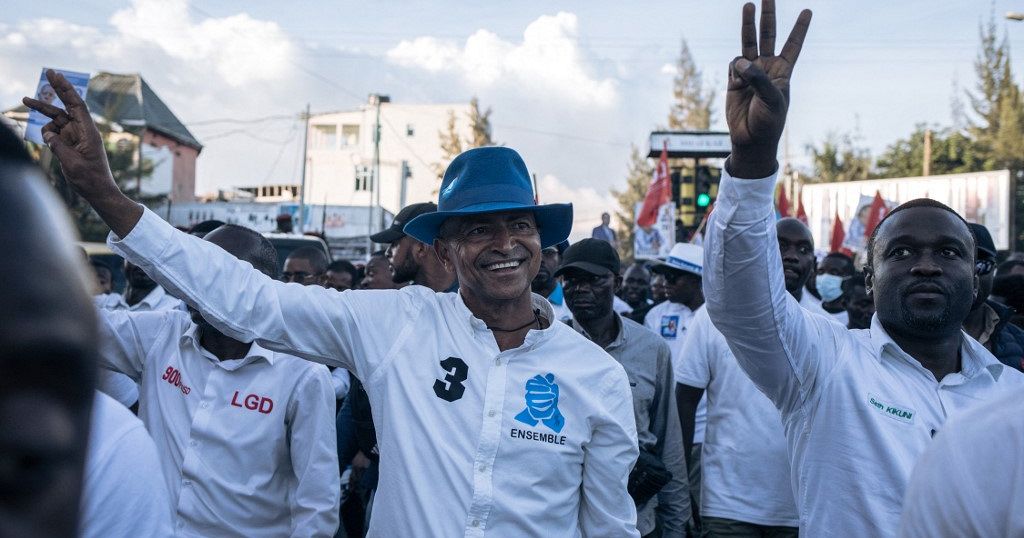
(493, 419)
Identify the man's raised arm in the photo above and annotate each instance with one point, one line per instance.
(773, 340)
(311, 322)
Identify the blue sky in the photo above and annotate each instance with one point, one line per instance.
(572, 84)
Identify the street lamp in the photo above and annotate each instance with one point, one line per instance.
(1015, 16)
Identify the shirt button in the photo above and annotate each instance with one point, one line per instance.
(497, 361)
(187, 482)
(483, 467)
(476, 522)
(203, 405)
(491, 413)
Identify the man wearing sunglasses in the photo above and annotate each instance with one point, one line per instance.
(989, 321)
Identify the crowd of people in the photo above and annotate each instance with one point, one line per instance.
(483, 376)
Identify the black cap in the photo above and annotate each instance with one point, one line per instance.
(394, 232)
(595, 256)
(982, 239)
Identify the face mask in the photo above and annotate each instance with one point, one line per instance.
(830, 287)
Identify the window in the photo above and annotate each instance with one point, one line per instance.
(349, 135)
(364, 178)
(325, 136)
(410, 130)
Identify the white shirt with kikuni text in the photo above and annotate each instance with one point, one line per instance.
(858, 411)
(537, 440)
(248, 445)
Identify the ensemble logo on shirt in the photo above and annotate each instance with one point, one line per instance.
(669, 326)
(542, 403)
(894, 412)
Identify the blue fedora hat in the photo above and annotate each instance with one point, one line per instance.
(491, 180)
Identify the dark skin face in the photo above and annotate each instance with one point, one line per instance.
(923, 276)
(339, 280)
(834, 266)
(859, 307)
(403, 260)
(658, 291)
(103, 279)
(544, 282)
(683, 288)
(139, 283)
(984, 281)
(636, 285)
(378, 275)
(590, 296)
(797, 249)
(47, 362)
(300, 270)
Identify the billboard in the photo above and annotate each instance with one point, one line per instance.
(982, 197)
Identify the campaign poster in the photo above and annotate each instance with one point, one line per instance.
(46, 94)
(855, 239)
(655, 241)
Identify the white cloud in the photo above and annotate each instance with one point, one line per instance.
(587, 203)
(549, 61)
(240, 48)
(668, 69)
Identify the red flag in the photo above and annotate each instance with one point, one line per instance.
(838, 234)
(659, 192)
(783, 206)
(878, 212)
(801, 215)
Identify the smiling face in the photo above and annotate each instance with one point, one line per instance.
(797, 249)
(923, 269)
(495, 256)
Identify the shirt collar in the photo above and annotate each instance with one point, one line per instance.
(973, 356)
(256, 352)
(620, 337)
(153, 298)
(557, 295)
(533, 337)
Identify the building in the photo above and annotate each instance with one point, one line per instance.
(340, 153)
(132, 110)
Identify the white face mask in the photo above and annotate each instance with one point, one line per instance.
(830, 287)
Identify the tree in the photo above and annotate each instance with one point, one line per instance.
(691, 102)
(452, 144)
(998, 128)
(953, 152)
(838, 159)
(637, 180)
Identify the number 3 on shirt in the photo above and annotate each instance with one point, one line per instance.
(451, 388)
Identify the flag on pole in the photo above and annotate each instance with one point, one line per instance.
(783, 205)
(876, 214)
(801, 215)
(838, 234)
(659, 192)
(698, 235)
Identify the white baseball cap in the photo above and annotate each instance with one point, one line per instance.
(683, 257)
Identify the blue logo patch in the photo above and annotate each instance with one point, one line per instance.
(542, 403)
(669, 326)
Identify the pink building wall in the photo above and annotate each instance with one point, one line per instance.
(183, 168)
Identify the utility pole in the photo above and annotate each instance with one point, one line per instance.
(376, 165)
(927, 165)
(302, 186)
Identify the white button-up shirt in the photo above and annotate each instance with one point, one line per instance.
(671, 320)
(157, 300)
(533, 441)
(858, 411)
(248, 445)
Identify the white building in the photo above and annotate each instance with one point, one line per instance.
(340, 153)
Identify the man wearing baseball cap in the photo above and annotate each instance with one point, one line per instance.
(412, 260)
(682, 272)
(493, 418)
(989, 321)
(590, 270)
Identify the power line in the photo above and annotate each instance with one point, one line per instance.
(241, 121)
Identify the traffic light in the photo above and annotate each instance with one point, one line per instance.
(704, 199)
(704, 188)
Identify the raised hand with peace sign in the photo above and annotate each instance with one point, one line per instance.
(76, 142)
(758, 93)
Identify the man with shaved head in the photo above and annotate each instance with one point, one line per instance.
(246, 435)
(508, 441)
(859, 407)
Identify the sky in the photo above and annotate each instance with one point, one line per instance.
(572, 85)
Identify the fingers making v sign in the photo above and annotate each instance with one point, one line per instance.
(758, 92)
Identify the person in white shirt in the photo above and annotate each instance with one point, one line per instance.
(858, 407)
(834, 269)
(124, 493)
(506, 440)
(141, 294)
(412, 260)
(970, 481)
(745, 476)
(682, 272)
(246, 436)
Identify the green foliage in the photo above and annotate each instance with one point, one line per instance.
(452, 144)
(953, 152)
(691, 102)
(637, 180)
(838, 159)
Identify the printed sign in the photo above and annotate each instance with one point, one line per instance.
(46, 94)
(655, 241)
